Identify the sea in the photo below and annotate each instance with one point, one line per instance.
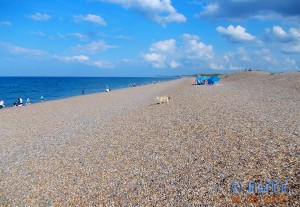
(52, 88)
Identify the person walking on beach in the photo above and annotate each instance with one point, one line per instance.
(1, 104)
(28, 101)
(107, 88)
(42, 98)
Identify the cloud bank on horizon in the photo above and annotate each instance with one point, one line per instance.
(148, 37)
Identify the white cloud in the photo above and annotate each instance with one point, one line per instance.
(27, 51)
(6, 23)
(160, 11)
(40, 17)
(288, 41)
(265, 54)
(210, 9)
(90, 18)
(291, 49)
(174, 64)
(156, 60)
(263, 59)
(279, 34)
(189, 51)
(247, 9)
(194, 49)
(243, 54)
(96, 46)
(164, 46)
(159, 52)
(78, 58)
(236, 34)
(78, 35)
(216, 66)
(86, 60)
(295, 33)
(102, 64)
(17, 50)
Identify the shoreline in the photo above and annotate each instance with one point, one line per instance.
(54, 88)
(91, 93)
(123, 149)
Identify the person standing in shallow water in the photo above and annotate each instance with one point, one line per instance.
(42, 98)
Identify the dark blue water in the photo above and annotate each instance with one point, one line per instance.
(61, 87)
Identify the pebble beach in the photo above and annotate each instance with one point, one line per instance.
(123, 149)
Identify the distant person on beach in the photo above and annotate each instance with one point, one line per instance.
(42, 98)
(20, 101)
(28, 101)
(82, 90)
(1, 104)
(107, 88)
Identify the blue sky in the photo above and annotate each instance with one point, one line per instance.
(147, 37)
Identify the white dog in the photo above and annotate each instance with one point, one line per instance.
(163, 99)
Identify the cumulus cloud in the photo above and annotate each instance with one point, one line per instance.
(160, 11)
(288, 40)
(194, 49)
(190, 53)
(93, 47)
(174, 64)
(277, 33)
(265, 59)
(245, 9)
(164, 46)
(157, 60)
(6, 23)
(236, 34)
(40, 17)
(90, 18)
(169, 54)
(210, 9)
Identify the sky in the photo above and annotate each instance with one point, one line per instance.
(147, 37)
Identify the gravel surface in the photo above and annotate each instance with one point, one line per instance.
(123, 149)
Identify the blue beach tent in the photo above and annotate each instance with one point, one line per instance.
(201, 80)
(214, 79)
(210, 80)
